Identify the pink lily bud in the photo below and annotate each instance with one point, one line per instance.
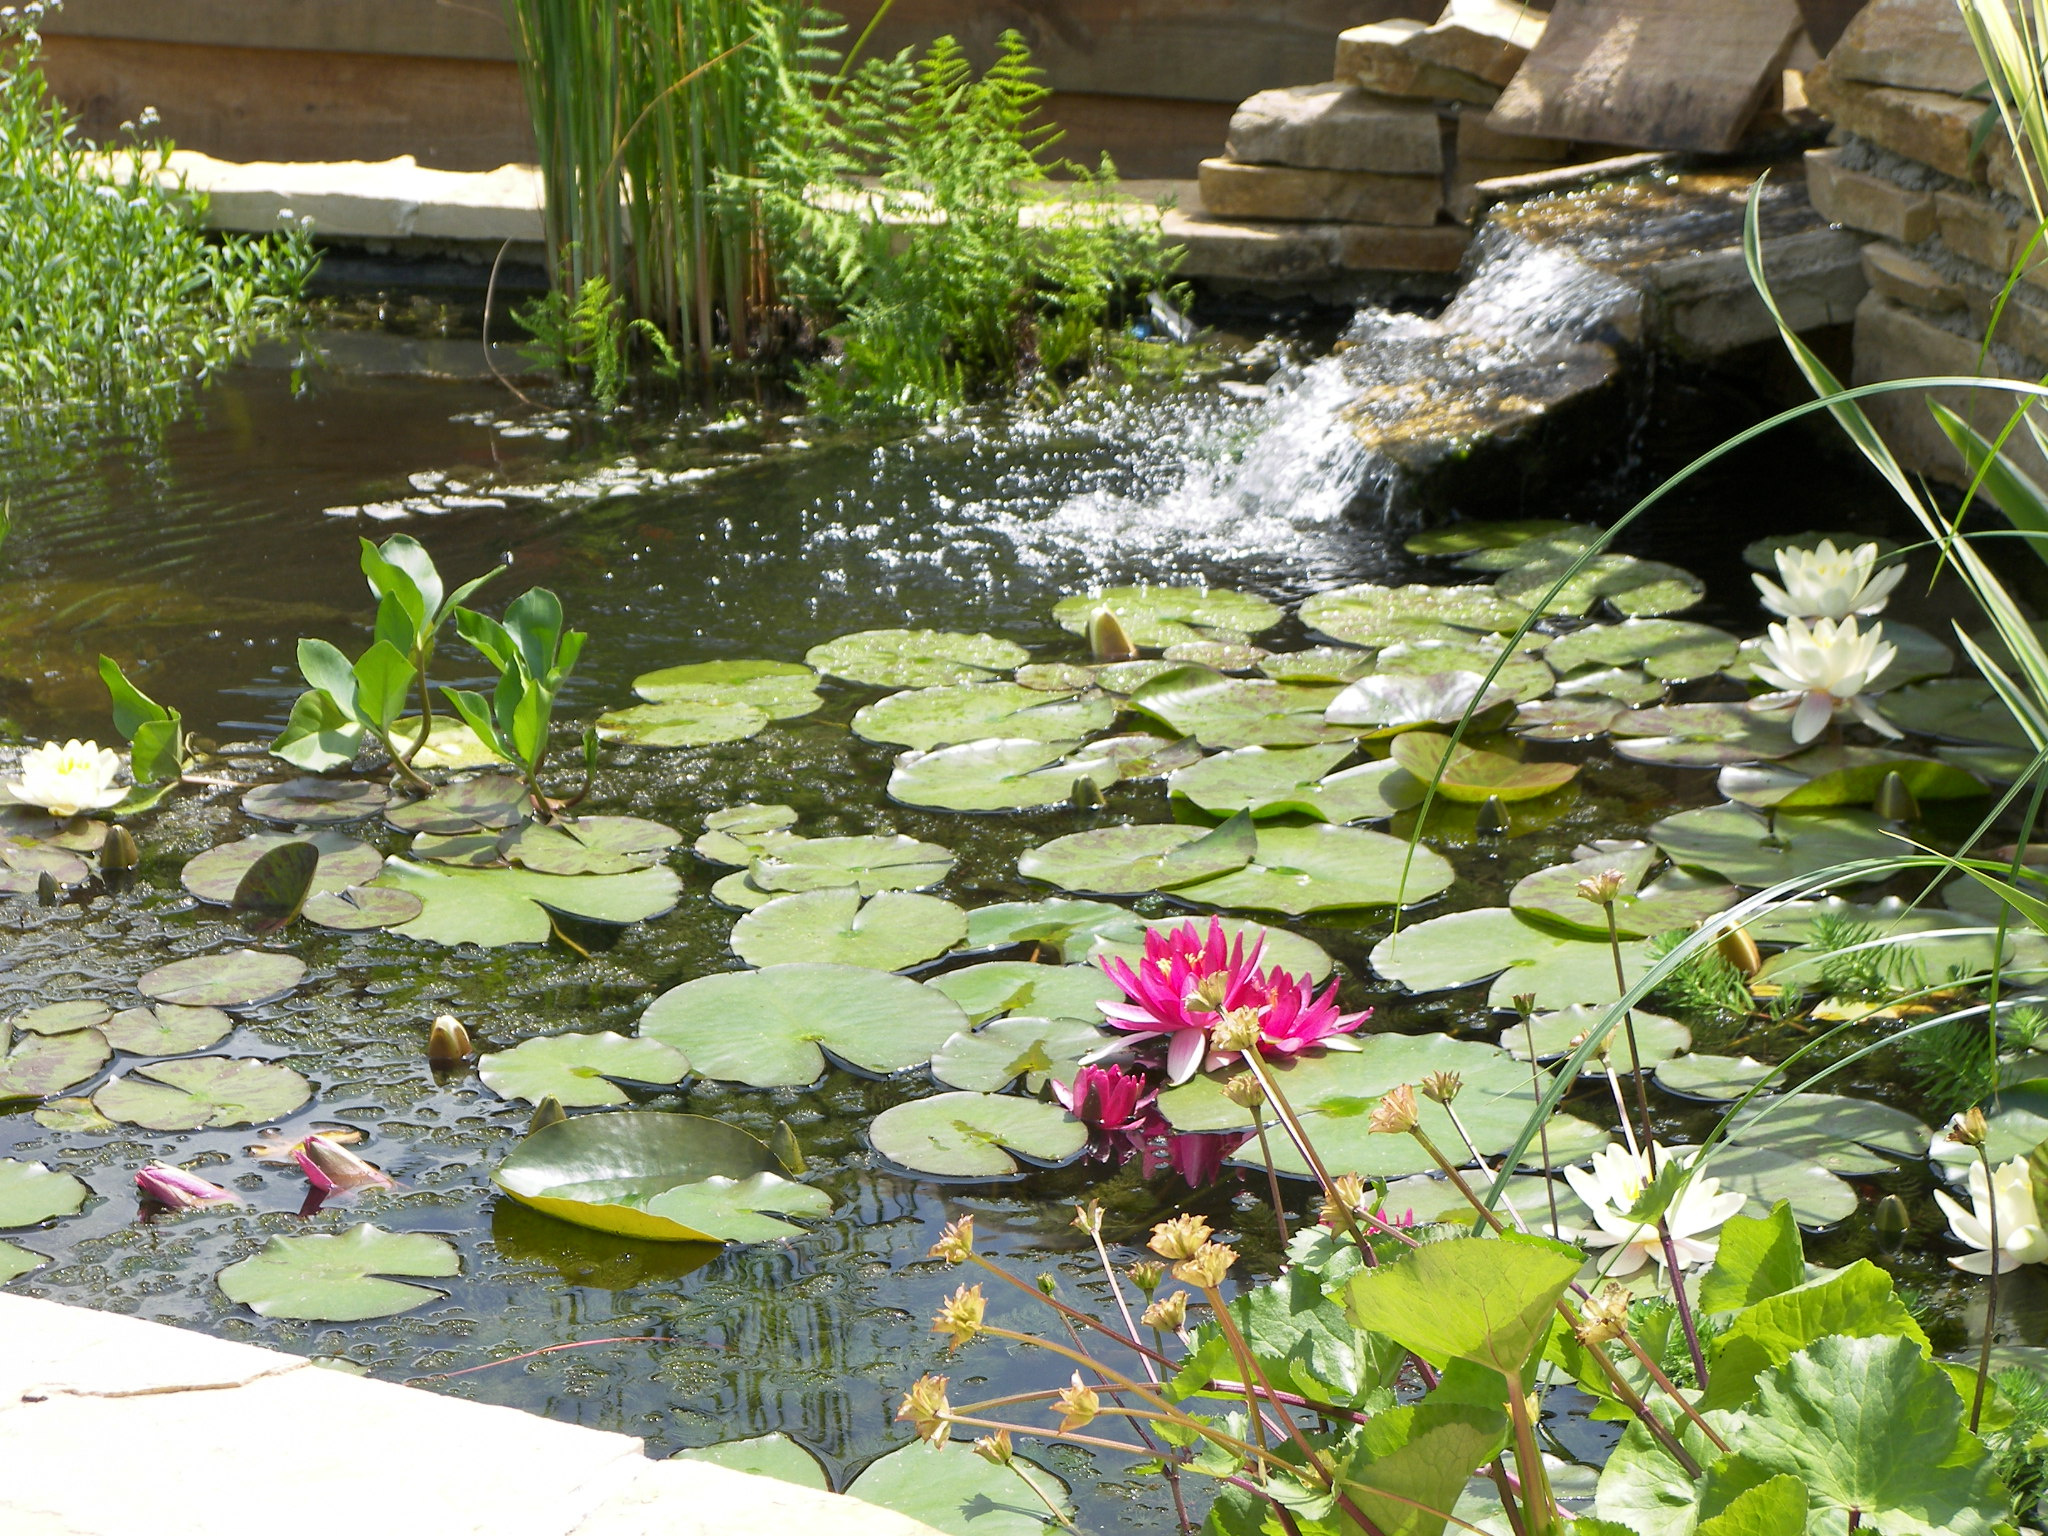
(335, 1169)
(176, 1190)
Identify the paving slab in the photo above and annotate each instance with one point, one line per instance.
(1382, 57)
(1922, 45)
(367, 200)
(1861, 200)
(1337, 127)
(1231, 190)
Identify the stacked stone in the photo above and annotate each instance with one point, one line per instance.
(1950, 215)
(1373, 172)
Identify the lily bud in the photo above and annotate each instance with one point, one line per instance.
(1146, 1275)
(1492, 819)
(1088, 1217)
(1740, 951)
(1207, 1268)
(1077, 1405)
(118, 854)
(1169, 1314)
(960, 1317)
(447, 1041)
(1442, 1087)
(927, 1410)
(47, 893)
(177, 1190)
(1969, 1129)
(1525, 1006)
(1603, 889)
(1086, 795)
(1894, 801)
(336, 1169)
(1395, 1114)
(1180, 1238)
(956, 1242)
(1108, 639)
(1891, 1221)
(1244, 1091)
(995, 1449)
(547, 1112)
(1237, 1030)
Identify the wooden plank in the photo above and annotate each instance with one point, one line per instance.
(1653, 74)
(446, 29)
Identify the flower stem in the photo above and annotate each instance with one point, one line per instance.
(1990, 1293)
(1070, 1313)
(1273, 1183)
(1538, 1507)
(1628, 1021)
(1543, 1125)
(1685, 1321)
(1290, 1123)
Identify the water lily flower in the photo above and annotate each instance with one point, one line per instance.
(1108, 1098)
(333, 1169)
(177, 1190)
(1295, 1019)
(2021, 1237)
(1828, 583)
(1825, 668)
(1617, 1181)
(1177, 992)
(66, 780)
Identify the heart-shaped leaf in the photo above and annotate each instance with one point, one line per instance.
(511, 906)
(998, 775)
(1314, 869)
(1117, 861)
(203, 1091)
(578, 1070)
(237, 978)
(1963, 709)
(1717, 1079)
(997, 1054)
(1376, 616)
(166, 1030)
(1557, 1035)
(1578, 719)
(1845, 1136)
(925, 718)
(40, 1065)
(916, 658)
(1058, 923)
(362, 908)
(1473, 776)
(976, 1135)
(340, 1279)
(1283, 781)
(216, 874)
(1162, 616)
(890, 931)
(1737, 844)
(1468, 947)
(31, 1194)
(1700, 735)
(273, 891)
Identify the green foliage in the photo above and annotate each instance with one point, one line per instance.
(533, 652)
(1953, 1065)
(155, 734)
(2020, 1448)
(1704, 985)
(588, 337)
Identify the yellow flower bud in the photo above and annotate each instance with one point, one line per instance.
(1180, 1238)
(1169, 1314)
(1207, 1268)
(956, 1243)
(1077, 1405)
(960, 1317)
(926, 1408)
(1395, 1114)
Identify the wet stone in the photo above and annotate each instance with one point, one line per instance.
(1230, 190)
(1337, 127)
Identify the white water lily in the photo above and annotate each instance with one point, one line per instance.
(2021, 1237)
(1829, 583)
(1616, 1182)
(1824, 667)
(65, 781)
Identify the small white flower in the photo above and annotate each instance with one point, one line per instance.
(1614, 1185)
(1824, 668)
(65, 781)
(1829, 583)
(2021, 1239)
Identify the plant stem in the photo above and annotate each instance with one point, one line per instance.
(1685, 1321)
(1990, 1292)
(1542, 1126)
(1066, 1311)
(1537, 1504)
(1273, 1184)
(1291, 1123)
(1628, 1020)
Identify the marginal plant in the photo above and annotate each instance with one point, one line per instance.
(533, 653)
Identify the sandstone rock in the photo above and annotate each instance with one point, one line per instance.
(1244, 251)
(1481, 142)
(1484, 38)
(1927, 126)
(1378, 58)
(1919, 44)
(1905, 279)
(1706, 304)
(1866, 202)
(1391, 248)
(1466, 199)
(1974, 230)
(1337, 127)
(1895, 342)
(1234, 191)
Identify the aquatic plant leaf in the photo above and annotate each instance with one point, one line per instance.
(198, 1091)
(1828, 776)
(1717, 1079)
(1463, 538)
(1818, 1197)
(1317, 664)
(889, 931)
(72, 1115)
(1162, 616)
(1371, 615)
(683, 723)
(340, 1278)
(1558, 1034)
(75, 834)
(1222, 712)
(1058, 923)
(590, 845)
(607, 1171)
(361, 908)
(1474, 776)
(1408, 1461)
(62, 1018)
(166, 1030)
(1018, 986)
(1576, 719)
(950, 1489)
(1389, 702)
(450, 745)
(772, 1455)
(1467, 947)
(869, 864)
(495, 907)
(734, 835)
(782, 690)
(318, 736)
(1560, 548)
(997, 775)
(1313, 869)
(1846, 1136)
(1762, 554)
(216, 874)
(1057, 677)
(1217, 655)
(1674, 650)
(316, 802)
(915, 658)
(16, 1262)
(273, 890)
(1960, 709)
(1700, 735)
(22, 868)
(925, 718)
(1912, 955)
(1638, 588)
(738, 891)
(1121, 679)
(490, 801)
(1130, 860)
(1431, 1199)
(994, 1056)
(1290, 951)
(771, 1028)
(1486, 1300)
(1522, 677)
(1624, 685)
(235, 978)
(1678, 900)
(976, 1135)
(39, 1065)
(1281, 781)
(578, 1069)
(31, 1193)
(1737, 844)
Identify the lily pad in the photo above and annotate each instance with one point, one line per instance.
(1829, 776)
(994, 1056)
(1717, 1079)
(214, 875)
(1560, 548)
(1018, 986)
(916, 658)
(869, 864)
(925, 718)
(1317, 664)
(591, 845)
(316, 802)
(1400, 701)
(1671, 649)
(738, 891)
(1312, 869)
(1290, 951)
(31, 1194)
(75, 1115)
(737, 833)
(782, 690)
(361, 908)
(1371, 615)
(166, 1030)
(340, 1279)
(1058, 923)
(1638, 588)
(578, 1070)
(889, 931)
(16, 1262)
(1162, 616)
(199, 1091)
(489, 801)
(1577, 719)
(683, 723)
(1700, 735)
(1559, 1034)
(1625, 685)
(40, 1065)
(998, 775)
(62, 1018)
(1114, 861)
(1737, 844)
(1284, 781)
(22, 868)
(1473, 776)
(1678, 900)
(1819, 1196)
(773, 1455)
(951, 1489)
(976, 1135)
(450, 746)
(771, 1028)
(608, 1172)
(1960, 709)
(1845, 1136)
(1221, 711)
(1468, 947)
(237, 978)
(495, 907)
(1463, 538)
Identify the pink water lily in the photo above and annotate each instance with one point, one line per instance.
(1108, 1098)
(1294, 1018)
(176, 1190)
(333, 1169)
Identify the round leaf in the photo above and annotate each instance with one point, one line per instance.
(1372, 615)
(734, 835)
(510, 906)
(996, 1055)
(40, 1065)
(1468, 947)
(950, 1489)
(773, 1455)
(238, 978)
(1313, 869)
(62, 1018)
(1671, 649)
(1559, 1034)
(1221, 711)
(1631, 586)
(1717, 1079)
(16, 1262)
(1281, 781)
(925, 718)
(337, 1279)
(1677, 901)
(996, 775)
(1059, 923)
(782, 690)
(1700, 735)
(203, 1091)
(1115, 861)
(723, 1210)
(976, 1135)
(1828, 776)
(1018, 986)
(1522, 677)
(683, 723)
(1845, 1136)
(869, 864)
(1289, 951)
(1575, 719)
(1472, 776)
(915, 658)
(31, 1194)
(362, 908)
(1318, 664)
(166, 1030)
(577, 1069)
(1737, 844)
(216, 874)
(591, 845)
(1399, 701)
(890, 931)
(1161, 616)
(316, 802)
(1463, 538)
(1818, 1197)
(490, 800)
(1962, 709)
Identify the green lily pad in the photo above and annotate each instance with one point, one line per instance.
(22, 869)
(737, 833)
(31, 1194)
(1472, 776)
(16, 1262)
(1468, 947)
(976, 1135)
(991, 1058)
(1717, 1079)
(1058, 923)
(1959, 709)
(683, 723)
(1399, 701)
(889, 931)
(1283, 781)
(1521, 677)
(214, 875)
(488, 801)
(1829, 776)
(782, 690)
(1217, 655)
(1018, 986)
(72, 1115)
(362, 908)
(1560, 548)
(1584, 719)
(998, 775)
(1737, 844)
(1700, 735)
(1371, 615)
(591, 845)
(1121, 679)
(1678, 900)
(316, 802)
(451, 746)
(773, 1455)
(166, 1030)
(609, 1172)
(869, 864)
(1671, 649)
(1638, 588)
(925, 718)
(63, 1018)
(916, 658)
(1317, 664)
(1290, 951)
(1117, 861)
(771, 1028)
(341, 1278)
(40, 1065)
(1819, 1197)
(495, 907)
(1558, 1034)
(1434, 1199)
(1463, 538)
(738, 891)
(1063, 676)
(1624, 685)
(1313, 869)
(237, 978)
(1161, 616)
(578, 1069)
(950, 1489)
(1221, 711)
(201, 1091)
(1845, 1136)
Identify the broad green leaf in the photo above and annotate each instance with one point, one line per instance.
(727, 1210)
(62, 1018)
(318, 736)
(926, 718)
(166, 1030)
(683, 723)
(890, 931)
(16, 1262)
(1057, 923)
(510, 906)
(870, 864)
(974, 1135)
(1678, 900)
(1718, 1079)
(1130, 860)
(996, 1054)
(1819, 1196)
(1463, 538)
(235, 978)
(1849, 1136)
(201, 1091)
(1487, 1300)
(950, 1489)
(133, 708)
(998, 775)
(490, 801)
(316, 802)
(734, 835)
(1372, 615)
(1303, 1343)
(1671, 649)
(214, 875)
(1468, 947)
(590, 845)
(323, 666)
(1421, 1455)
(1283, 781)
(578, 1069)
(1018, 986)
(1639, 588)
(362, 908)
(1312, 869)
(782, 690)
(1290, 951)
(1644, 1489)
(1222, 712)
(1318, 664)
(1521, 677)
(1700, 735)
(915, 658)
(1759, 1257)
(1830, 776)
(1163, 616)
(384, 680)
(1739, 845)
(31, 1194)
(1962, 709)
(1559, 1034)
(37, 1066)
(339, 1279)
(1471, 775)
(1857, 1302)
(1776, 1507)
(773, 1455)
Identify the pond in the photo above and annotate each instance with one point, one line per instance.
(724, 535)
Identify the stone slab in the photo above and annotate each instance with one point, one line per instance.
(1390, 248)
(373, 200)
(1895, 342)
(1659, 74)
(1705, 304)
(1379, 58)
(1487, 39)
(1477, 139)
(1906, 279)
(1927, 126)
(1234, 191)
(1466, 199)
(1919, 44)
(1975, 230)
(1866, 202)
(681, 1498)
(1567, 178)
(1284, 254)
(1337, 127)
